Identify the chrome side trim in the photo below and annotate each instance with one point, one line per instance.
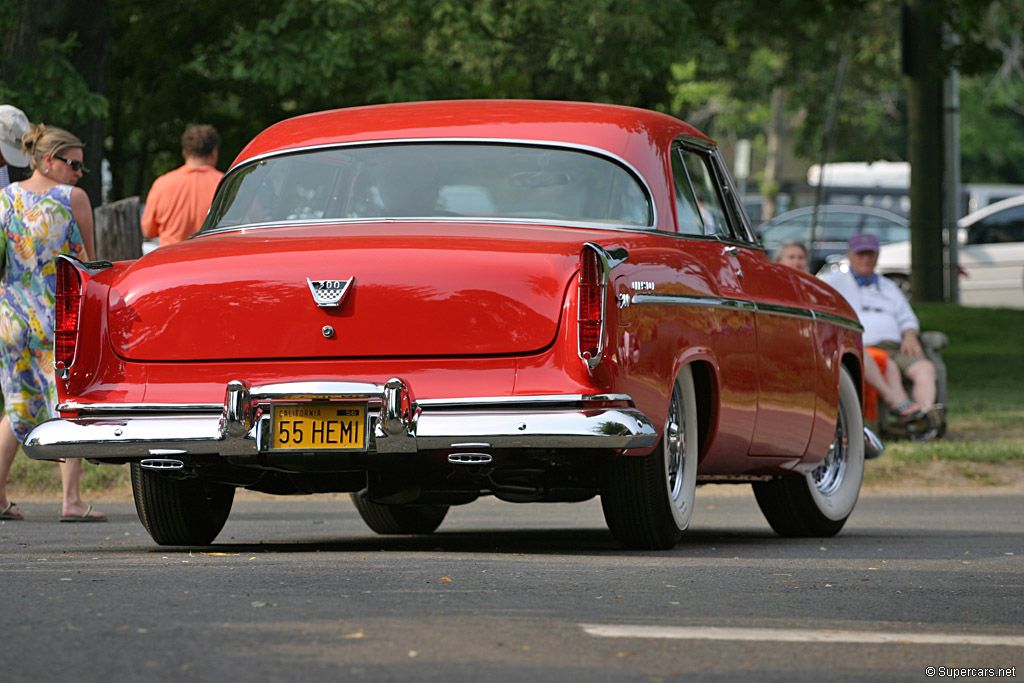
(786, 311)
(398, 424)
(703, 301)
(695, 300)
(839, 321)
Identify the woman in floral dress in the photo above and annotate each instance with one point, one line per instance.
(40, 218)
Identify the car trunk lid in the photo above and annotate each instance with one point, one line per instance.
(417, 289)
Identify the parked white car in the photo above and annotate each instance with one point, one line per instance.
(991, 256)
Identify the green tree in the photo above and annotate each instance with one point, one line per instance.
(241, 68)
(53, 67)
(992, 99)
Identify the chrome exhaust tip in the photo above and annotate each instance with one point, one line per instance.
(470, 458)
(161, 464)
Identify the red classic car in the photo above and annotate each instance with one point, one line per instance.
(424, 303)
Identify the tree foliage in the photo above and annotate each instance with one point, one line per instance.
(242, 67)
(37, 71)
(721, 65)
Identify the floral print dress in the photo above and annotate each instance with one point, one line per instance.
(37, 227)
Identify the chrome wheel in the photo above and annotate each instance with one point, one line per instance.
(677, 475)
(828, 476)
(648, 500)
(819, 502)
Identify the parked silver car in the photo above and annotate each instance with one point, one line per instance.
(991, 256)
(835, 224)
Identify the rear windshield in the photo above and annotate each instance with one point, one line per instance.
(432, 180)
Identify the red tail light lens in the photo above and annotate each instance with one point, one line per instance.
(590, 318)
(69, 307)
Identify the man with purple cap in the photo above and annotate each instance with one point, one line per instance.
(13, 124)
(889, 321)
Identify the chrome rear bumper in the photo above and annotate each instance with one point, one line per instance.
(397, 424)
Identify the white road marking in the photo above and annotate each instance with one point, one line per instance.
(795, 635)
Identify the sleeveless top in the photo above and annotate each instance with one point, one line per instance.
(36, 228)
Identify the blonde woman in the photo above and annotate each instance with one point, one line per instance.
(40, 217)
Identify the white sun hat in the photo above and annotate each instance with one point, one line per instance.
(13, 124)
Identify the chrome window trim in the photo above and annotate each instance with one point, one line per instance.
(597, 151)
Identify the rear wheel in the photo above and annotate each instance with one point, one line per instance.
(180, 511)
(399, 519)
(648, 501)
(819, 503)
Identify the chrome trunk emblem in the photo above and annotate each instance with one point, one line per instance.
(329, 293)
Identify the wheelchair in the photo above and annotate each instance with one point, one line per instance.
(932, 425)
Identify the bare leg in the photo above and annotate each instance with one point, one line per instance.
(70, 475)
(8, 449)
(889, 386)
(922, 374)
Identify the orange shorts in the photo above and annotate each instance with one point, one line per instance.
(870, 395)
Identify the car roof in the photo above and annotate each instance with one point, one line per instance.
(835, 208)
(996, 207)
(625, 131)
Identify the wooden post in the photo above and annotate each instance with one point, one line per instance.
(118, 228)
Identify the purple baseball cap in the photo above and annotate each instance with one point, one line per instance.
(862, 241)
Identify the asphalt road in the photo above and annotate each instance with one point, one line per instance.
(299, 589)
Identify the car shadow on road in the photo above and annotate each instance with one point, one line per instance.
(551, 541)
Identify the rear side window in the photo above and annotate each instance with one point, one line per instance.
(999, 228)
(708, 204)
(688, 218)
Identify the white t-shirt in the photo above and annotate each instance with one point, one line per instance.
(883, 310)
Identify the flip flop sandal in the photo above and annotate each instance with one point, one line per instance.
(904, 417)
(87, 517)
(8, 513)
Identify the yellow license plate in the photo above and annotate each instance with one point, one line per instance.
(319, 426)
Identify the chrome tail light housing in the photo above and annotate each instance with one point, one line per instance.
(67, 322)
(590, 313)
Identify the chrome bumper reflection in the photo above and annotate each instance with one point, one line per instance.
(397, 423)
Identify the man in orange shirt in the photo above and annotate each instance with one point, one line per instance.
(178, 201)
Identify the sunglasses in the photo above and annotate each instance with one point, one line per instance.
(74, 164)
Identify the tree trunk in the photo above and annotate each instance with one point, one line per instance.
(922, 35)
(92, 21)
(778, 129)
